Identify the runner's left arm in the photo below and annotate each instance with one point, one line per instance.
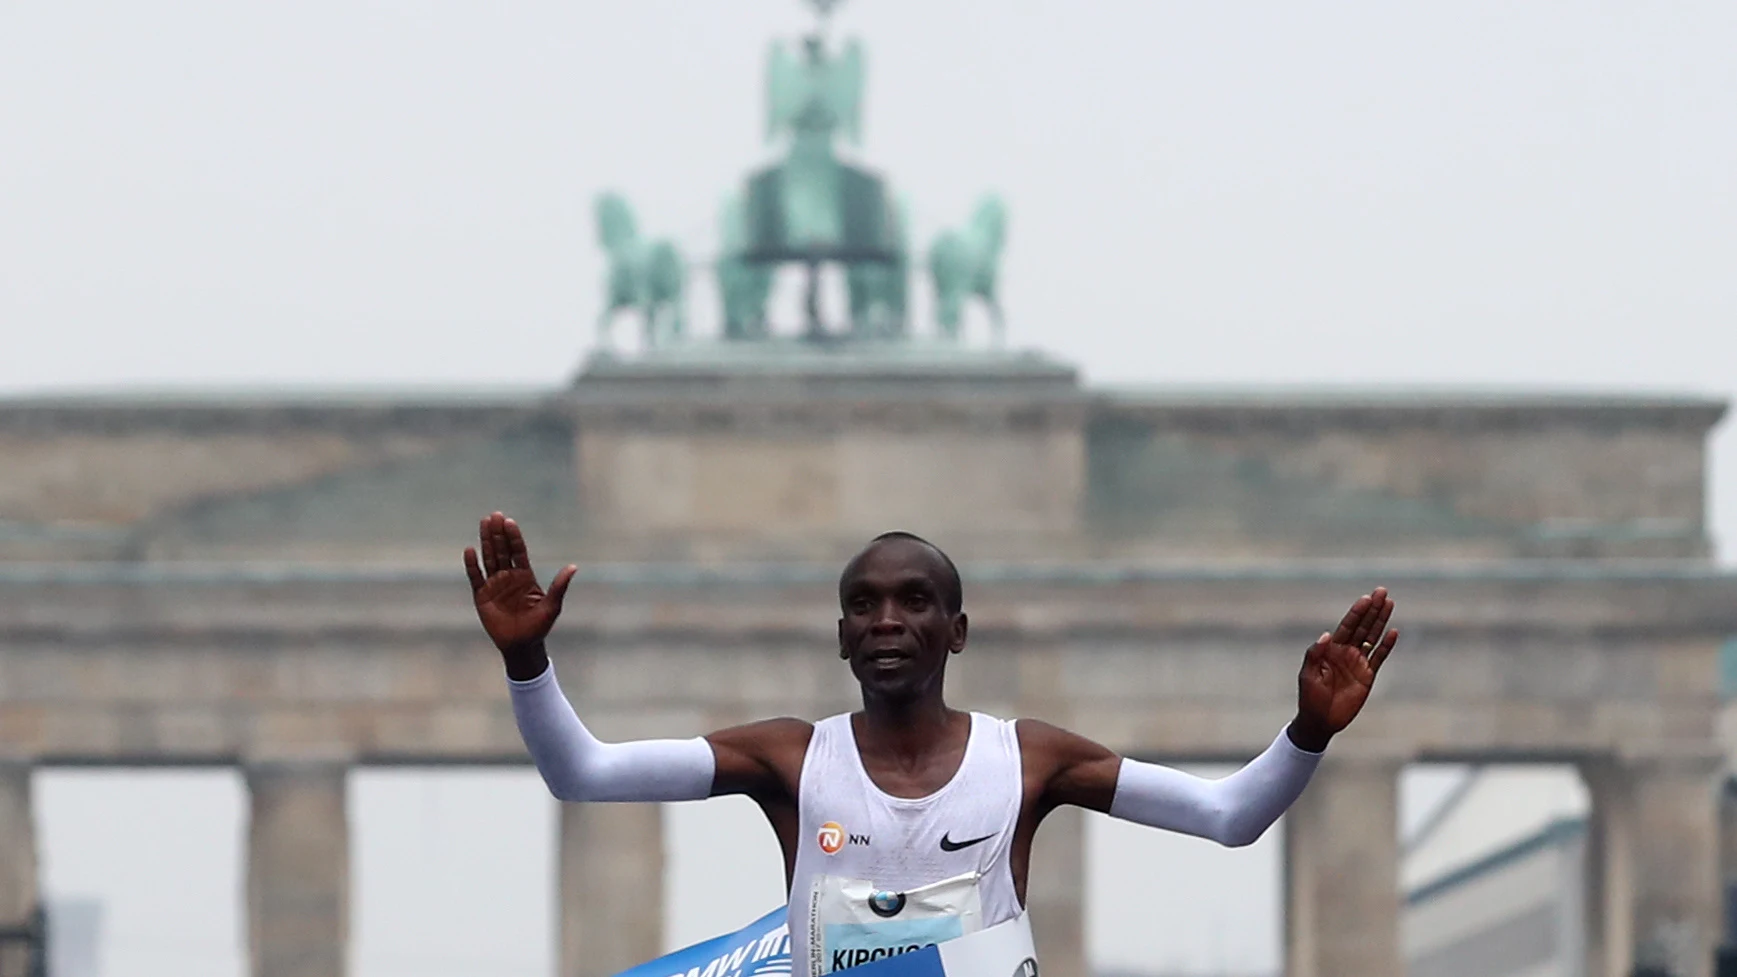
(1333, 684)
(1232, 811)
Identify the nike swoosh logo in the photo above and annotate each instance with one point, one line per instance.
(948, 844)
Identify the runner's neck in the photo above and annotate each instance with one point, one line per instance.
(908, 734)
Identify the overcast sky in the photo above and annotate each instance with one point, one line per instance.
(1346, 194)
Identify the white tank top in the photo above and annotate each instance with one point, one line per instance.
(878, 875)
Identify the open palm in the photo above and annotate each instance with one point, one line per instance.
(1339, 669)
(514, 609)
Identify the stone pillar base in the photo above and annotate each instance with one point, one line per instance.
(611, 887)
(1342, 873)
(298, 870)
(1655, 904)
(1677, 900)
(18, 891)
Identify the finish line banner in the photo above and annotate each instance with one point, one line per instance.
(762, 949)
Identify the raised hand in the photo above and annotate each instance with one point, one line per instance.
(515, 611)
(1340, 668)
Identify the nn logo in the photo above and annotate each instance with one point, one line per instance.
(832, 838)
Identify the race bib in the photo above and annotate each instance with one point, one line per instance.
(852, 922)
(762, 949)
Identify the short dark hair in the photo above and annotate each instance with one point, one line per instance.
(952, 587)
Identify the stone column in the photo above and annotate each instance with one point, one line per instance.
(1609, 871)
(611, 887)
(18, 891)
(298, 869)
(1342, 872)
(1677, 908)
(1728, 859)
(1055, 894)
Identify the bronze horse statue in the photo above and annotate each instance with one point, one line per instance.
(648, 276)
(963, 265)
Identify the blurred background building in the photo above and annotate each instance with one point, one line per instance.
(1497, 880)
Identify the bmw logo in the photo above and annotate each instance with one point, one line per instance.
(887, 904)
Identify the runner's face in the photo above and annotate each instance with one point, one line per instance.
(895, 630)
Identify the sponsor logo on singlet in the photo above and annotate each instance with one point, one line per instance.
(886, 904)
(948, 844)
(832, 838)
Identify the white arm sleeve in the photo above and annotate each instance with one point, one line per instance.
(578, 766)
(1233, 811)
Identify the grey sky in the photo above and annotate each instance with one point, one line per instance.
(1343, 194)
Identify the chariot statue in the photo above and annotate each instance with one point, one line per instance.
(811, 209)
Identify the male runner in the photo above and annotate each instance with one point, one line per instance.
(908, 823)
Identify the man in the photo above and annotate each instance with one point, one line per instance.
(908, 823)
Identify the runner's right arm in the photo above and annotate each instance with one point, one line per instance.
(574, 763)
(577, 766)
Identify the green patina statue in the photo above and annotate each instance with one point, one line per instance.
(878, 289)
(743, 285)
(644, 275)
(809, 209)
(813, 99)
(962, 265)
